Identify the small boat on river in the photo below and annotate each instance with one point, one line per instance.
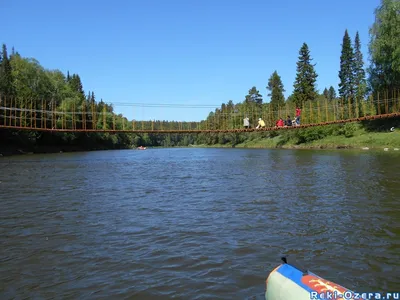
(290, 282)
(141, 148)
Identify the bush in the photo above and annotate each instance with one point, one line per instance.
(223, 138)
(288, 136)
(313, 133)
(253, 136)
(273, 134)
(348, 129)
(381, 125)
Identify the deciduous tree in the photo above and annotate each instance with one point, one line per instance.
(384, 48)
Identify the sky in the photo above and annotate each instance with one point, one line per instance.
(184, 52)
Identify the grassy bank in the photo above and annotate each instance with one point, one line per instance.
(375, 140)
(359, 140)
(372, 134)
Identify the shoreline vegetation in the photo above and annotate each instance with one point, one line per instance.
(371, 135)
(35, 97)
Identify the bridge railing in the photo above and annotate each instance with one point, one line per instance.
(312, 112)
(63, 115)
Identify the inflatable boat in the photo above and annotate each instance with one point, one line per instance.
(290, 282)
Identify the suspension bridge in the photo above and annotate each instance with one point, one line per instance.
(53, 116)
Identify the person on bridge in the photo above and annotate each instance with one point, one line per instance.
(298, 113)
(280, 123)
(261, 123)
(288, 121)
(246, 122)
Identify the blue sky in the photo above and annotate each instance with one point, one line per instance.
(200, 52)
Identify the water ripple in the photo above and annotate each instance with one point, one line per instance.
(194, 223)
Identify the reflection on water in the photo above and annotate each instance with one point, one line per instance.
(195, 222)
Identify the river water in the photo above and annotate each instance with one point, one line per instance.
(195, 223)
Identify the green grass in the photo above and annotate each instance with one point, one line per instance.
(371, 140)
(261, 143)
(210, 146)
(351, 136)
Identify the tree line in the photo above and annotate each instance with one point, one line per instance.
(355, 90)
(25, 84)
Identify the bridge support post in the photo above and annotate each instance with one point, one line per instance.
(93, 116)
(341, 107)
(387, 102)
(379, 106)
(42, 118)
(326, 110)
(83, 115)
(357, 111)
(349, 104)
(62, 117)
(35, 113)
(73, 117)
(334, 103)
(104, 118)
(31, 114)
(19, 113)
(53, 115)
(11, 103)
(364, 108)
(4, 101)
(14, 110)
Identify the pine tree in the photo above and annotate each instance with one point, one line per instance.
(346, 72)
(254, 96)
(275, 86)
(332, 93)
(359, 73)
(92, 98)
(6, 81)
(305, 83)
(326, 93)
(290, 99)
(76, 85)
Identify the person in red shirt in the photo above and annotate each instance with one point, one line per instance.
(280, 123)
(298, 113)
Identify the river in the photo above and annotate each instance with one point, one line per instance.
(195, 223)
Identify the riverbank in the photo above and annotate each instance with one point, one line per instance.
(350, 136)
(14, 142)
(376, 140)
(11, 150)
(370, 135)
